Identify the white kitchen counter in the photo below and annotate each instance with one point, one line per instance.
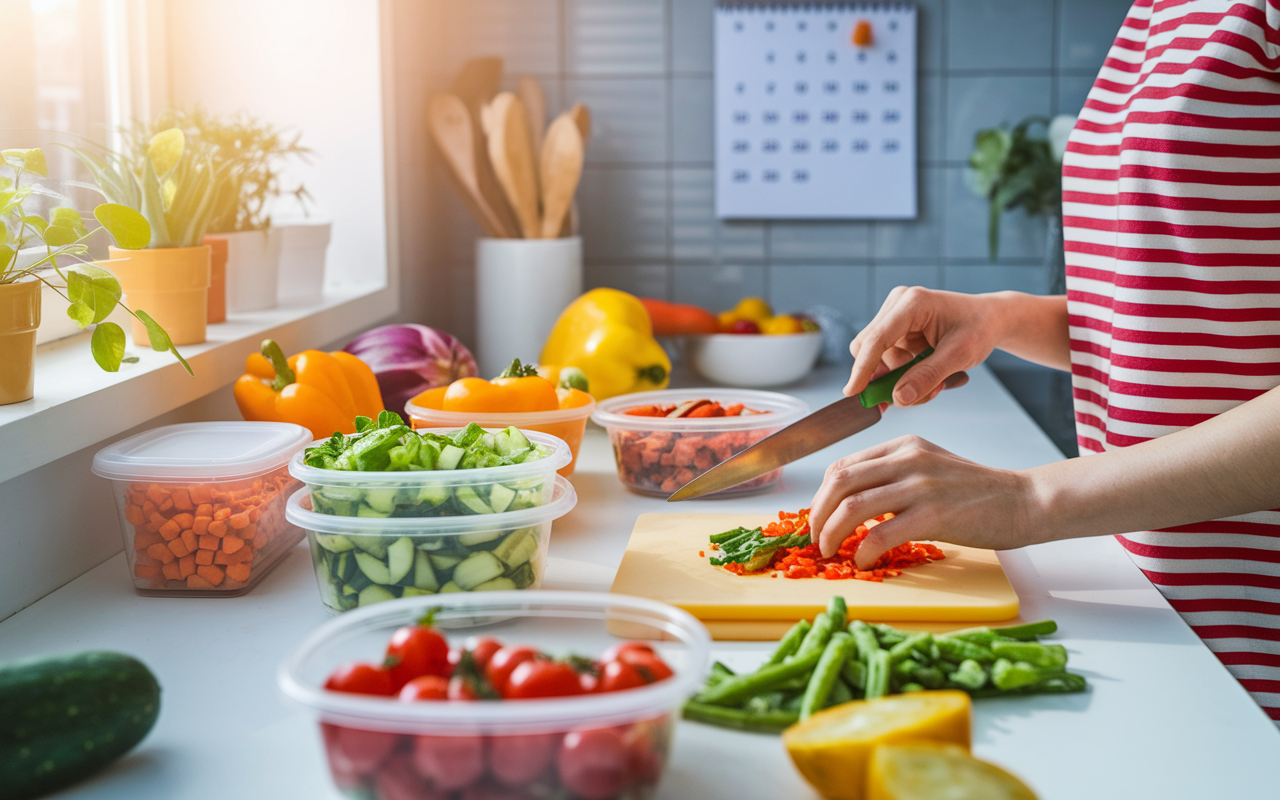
(1162, 719)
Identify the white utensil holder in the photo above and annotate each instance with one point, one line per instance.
(522, 285)
(253, 269)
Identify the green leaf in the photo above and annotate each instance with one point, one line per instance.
(128, 227)
(37, 223)
(12, 198)
(159, 339)
(165, 150)
(5, 183)
(65, 228)
(107, 346)
(6, 256)
(31, 160)
(94, 294)
(181, 360)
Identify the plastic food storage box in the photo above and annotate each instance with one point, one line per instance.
(566, 423)
(658, 455)
(434, 492)
(384, 748)
(360, 561)
(202, 504)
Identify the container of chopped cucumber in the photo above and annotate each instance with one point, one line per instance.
(360, 561)
(387, 470)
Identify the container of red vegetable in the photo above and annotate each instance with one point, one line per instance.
(499, 695)
(662, 440)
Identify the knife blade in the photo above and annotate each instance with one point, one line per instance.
(822, 428)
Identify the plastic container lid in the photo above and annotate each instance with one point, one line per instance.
(299, 512)
(202, 451)
(783, 410)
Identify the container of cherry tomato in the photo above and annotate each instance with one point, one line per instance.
(501, 695)
(662, 440)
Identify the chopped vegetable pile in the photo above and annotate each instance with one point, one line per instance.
(826, 663)
(694, 409)
(784, 548)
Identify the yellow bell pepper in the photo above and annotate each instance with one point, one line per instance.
(607, 334)
(323, 392)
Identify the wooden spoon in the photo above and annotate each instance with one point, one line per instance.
(477, 83)
(451, 128)
(582, 118)
(562, 156)
(513, 162)
(535, 107)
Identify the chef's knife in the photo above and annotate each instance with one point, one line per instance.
(822, 428)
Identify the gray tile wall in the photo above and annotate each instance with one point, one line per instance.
(644, 67)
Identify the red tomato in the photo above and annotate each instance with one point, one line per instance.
(618, 675)
(503, 662)
(455, 655)
(542, 679)
(460, 689)
(482, 649)
(426, 687)
(589, 681)
(643, 759)
(490, 791)
(618, 649)
(398, 780)
(355, 752)
(358, 677)
(651, 666)
(414, 651)
(593, 764)
(451, 761)
(519, 759)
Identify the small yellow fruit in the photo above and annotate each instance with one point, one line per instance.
(784, 324)
(931, 771)
(725, 320)
(832, 749)
(754, 309)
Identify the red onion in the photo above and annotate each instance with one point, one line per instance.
(409, 359)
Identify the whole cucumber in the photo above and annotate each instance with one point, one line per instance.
(63, 718)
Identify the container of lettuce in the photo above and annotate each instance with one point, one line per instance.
(387, 470)
(360, 561)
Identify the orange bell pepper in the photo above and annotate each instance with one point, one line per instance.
(323, 392)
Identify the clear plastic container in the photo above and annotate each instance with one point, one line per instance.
(435, 492)
(202, 504)
(566, 423)
(391, 750)
(658, 455)
(361, 561)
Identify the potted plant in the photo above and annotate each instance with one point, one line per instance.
(35, 251)
(174, 186)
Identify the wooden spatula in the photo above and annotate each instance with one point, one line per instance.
(535, 107)
(451, 128)
(561, 165)
(511, 154)
(477, 83)
(582, 118)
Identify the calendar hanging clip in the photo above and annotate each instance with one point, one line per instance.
(862, 36)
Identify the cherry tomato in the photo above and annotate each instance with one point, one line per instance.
(520, 758)
(353, 752)
(542, 679)
(651, 666)
(622, 647)
(460, 689)
(643, 759)
(589, 681)
(425, 687)
(744, 326)
(359, 677)
(451, 762)
(490, 791)
(455, 655)
(414, 651)
(504, 661)
(593, 764)
(398, 780)
(618, 675)
(482, 649)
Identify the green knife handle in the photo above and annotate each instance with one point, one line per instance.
(881, 389)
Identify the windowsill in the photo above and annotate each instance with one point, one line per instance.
(76, 404)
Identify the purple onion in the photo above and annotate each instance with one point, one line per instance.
(409, 359)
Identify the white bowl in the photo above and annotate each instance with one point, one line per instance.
(754, 360)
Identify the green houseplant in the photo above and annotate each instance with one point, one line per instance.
(1012, 168)
(52, 251)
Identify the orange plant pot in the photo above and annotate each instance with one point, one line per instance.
(171, 284)
(19, 318)
(217, 279)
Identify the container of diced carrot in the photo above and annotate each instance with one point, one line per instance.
(202, 504)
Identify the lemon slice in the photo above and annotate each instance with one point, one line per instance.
(929, 771)
(832, 749)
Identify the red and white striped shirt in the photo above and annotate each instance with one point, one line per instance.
(1171, 212)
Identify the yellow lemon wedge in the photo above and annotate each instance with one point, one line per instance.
(932, 771)
(832, 749)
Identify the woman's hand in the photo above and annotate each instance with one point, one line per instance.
(933, 494)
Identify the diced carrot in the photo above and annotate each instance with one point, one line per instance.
(243, 554)
(208, 542)
(161, 553)
(212, 574)
(184, 520)
(255, 514)
(172, 571)
(148, 509)
(239, 521)
(221, 514)
(187, 566)
(182, 500)
(200, 524)
(189, 539)
(204, 557)
(250, 532)
(197, 582)
(146, 571)
(218, 528)
(238, 572)
(166, 506)
(156, 494)
(220, 496)
(144, 539)
(179, 548)
(157, 519)
(230, 544)
(134, 515)
(201, 494)
(170, 530)
(141, 557)
(204, 510)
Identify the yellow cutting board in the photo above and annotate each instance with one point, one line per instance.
(662, 562)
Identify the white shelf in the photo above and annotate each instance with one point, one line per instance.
(76, 404)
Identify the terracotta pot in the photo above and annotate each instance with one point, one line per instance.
(217, 279)
(169, 283)
(19, 318)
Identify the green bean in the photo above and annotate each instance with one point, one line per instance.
(793, 703)
(738, 688)
(721, 538)
(767, 722)
(929, 677)
(794, 684)
(1008, 674)
(889, 635)
(769, 701)
(1051, 657)
(718, 673)
(790, 643)
(838, 610)
(878, 675)
(907, 646)
(854, 673)
(865, 638)
(969, 675)
(907, 688)
(816, 639)
(963, 650)
(1061, 683)
(903, 669)
(1031, 630)
(826, 673)
(840, 692)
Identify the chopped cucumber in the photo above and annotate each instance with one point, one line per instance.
(478, 538)
(411, 591)
(374, 545)
(333, 542)
(433, 494)
(348, 591)
(523, 576)
(518, 440)
(518, 547)
(373, 568)
(471, 501)
(476, 569)
(432, 543)
(450, 457)
(369, 511)
(374, 594)
(496, 585)
(400, 560)
(381, 500)
(424, 577)
(500, 498)
(450, 587)
(445, 560)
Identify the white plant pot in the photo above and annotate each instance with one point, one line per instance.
(522, 285)
(303, 248)
(253, 269)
